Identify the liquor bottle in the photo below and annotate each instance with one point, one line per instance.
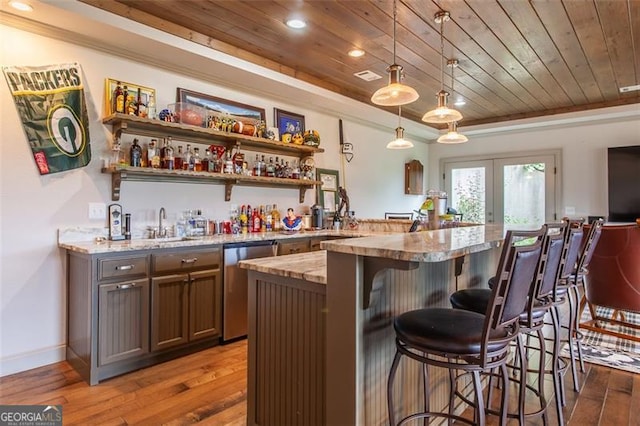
(278, 169)
(295, 171)
(287, 171)
(117, 101)
(186, 158)
(200, 229)
(125, 105)
(249, 219)
(135, 154)
(196, 161)
(257, 169)
(271, 169)
(263, 220)
(139, 105)
(268, 218)
(228, 164)
(207, 163)
(169, 157)
(177, 159)
(163, 155)
(151, 107)
(275, 214)
(256, 220)
(154, 154)
(244, 221)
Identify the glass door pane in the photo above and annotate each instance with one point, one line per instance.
(469, 186)
(524, 189)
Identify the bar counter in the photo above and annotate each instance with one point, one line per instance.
(321, 338)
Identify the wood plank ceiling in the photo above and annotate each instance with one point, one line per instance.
(518, 58)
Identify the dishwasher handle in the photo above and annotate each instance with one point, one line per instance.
(248, 244)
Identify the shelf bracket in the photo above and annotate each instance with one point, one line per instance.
(228, 187)
(116, 182)
(373, 280)
(118, 128)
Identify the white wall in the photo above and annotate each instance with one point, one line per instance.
(33, 207)
(584, 156)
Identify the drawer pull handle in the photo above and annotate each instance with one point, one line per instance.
(124, 267)
(192, 260)
(125, 286)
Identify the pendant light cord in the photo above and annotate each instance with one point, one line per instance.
(442, 51)
(394, 30)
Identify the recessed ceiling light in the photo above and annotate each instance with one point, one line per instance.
(460, 102)
(296, 23)
(356, 53)
(21, 6)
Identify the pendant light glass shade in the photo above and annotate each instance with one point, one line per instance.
(399, 142)
(442, 114)
(395, 93)
(452, 136)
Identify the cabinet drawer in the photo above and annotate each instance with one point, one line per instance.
(186, 261)
(293, 247)
(122, 267)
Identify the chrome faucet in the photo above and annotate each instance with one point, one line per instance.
(161, 215)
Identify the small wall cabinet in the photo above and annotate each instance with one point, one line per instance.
(413, 178)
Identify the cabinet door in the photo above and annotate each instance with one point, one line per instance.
(205, 304)
(169, 311)
(293, 247)
(123, 320)
(413, 178)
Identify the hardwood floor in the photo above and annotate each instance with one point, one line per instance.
(209, 388)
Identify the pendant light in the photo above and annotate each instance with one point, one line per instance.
(395, 93)
(399, 142)
(442, 114)
(452, 136)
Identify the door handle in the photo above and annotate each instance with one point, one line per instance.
(125, 286)
(124, 267)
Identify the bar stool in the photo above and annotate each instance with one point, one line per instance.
(580, 251)
(468, 341)
(531, 321)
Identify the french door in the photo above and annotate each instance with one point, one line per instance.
(518, 190)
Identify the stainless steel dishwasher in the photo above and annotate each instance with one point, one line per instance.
(235, 285)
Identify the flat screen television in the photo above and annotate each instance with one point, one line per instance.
(624, 183)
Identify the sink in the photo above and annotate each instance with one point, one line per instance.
(167, 239)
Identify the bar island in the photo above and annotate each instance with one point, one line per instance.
(321, 338)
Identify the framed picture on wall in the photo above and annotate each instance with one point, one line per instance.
(327, 193)
(221, 106)
(288, 122)
(132, 96)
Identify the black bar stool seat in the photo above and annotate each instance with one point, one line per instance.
(448, 331)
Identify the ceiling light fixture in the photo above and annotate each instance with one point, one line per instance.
(296, 23)
(21, 6)
(399, 142)
(356, 53)
(395, 93)
(452, 136)
(442, 114)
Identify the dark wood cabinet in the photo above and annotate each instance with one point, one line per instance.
(293, 247)
(123, 320)
(414, 178)
(130, 310)
(187, 306)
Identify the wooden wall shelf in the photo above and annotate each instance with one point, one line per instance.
(129, 124)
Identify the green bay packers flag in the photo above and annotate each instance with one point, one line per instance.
(50, 102)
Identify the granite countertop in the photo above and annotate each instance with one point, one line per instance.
(427, 246)
(106, 246)
(310, 267)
